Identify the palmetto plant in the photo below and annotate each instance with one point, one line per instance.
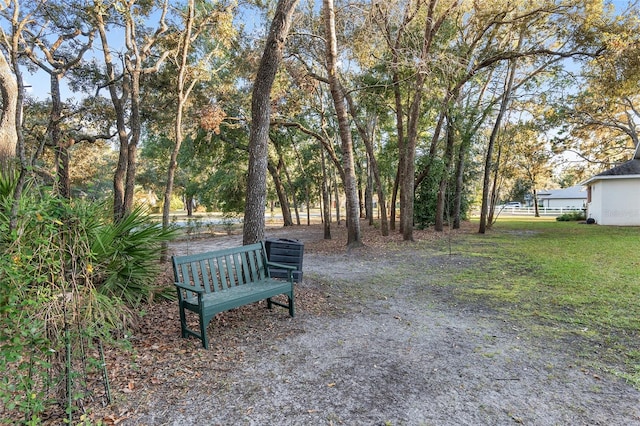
(126, 255)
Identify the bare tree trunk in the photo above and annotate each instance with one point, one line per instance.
(121, 127)
(492, 140)
(367, 135)
(495, 190)
(189, 205)
(183, 94)
(291, 189)
(351, 190)
(60, 147)
(336, 191)
(253, 230)
(460, 163)
(20, 148)
(9, 94)
(128, 121)
(434, 143)
(401, 136)
(362, 198)
(326, 199)
(132, 154)
(59, 59)
(368, 195)
(307, 195)
(280, 191)
(394, 201)
(408, 154)
(441, 204)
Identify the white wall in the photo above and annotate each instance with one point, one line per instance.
(615, 202)
(565, 203)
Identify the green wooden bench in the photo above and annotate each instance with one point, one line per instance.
(217, 281)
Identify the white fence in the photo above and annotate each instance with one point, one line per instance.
(530, 211)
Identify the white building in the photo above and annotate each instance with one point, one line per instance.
(572, 198)
(613, 197)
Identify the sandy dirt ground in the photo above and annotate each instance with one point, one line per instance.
(380, 345)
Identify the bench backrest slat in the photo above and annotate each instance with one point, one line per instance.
(260, 264)
(200, 275)
(253, 269)
(255, 260)
(227, 271)
(239, 272)
(212, 274)
(246, 273)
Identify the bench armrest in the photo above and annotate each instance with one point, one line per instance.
(181, 296)
(288, 268)
(281, 266)
(189, 288)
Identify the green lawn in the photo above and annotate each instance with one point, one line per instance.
(574, 281)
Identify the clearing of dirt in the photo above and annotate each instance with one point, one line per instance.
(375, 342)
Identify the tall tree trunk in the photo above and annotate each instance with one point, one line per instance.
(362, 199)
(20, 148)
(9, 97)
(368, 195)
(394, 200)
(307, 198)
(189, 204)
(183, 94)
(326, 199)
(397, 95)
(495, 189)
(60, 147)
(441, 204)
(492, 140)
(280, 191)
(127, 103)
(307, 191)
(121, 127)
(377, 181)
(408, 154)
(291, 189)
(135, 125)
(434, 142)
(253, 230)
(336, 191)
(367, 135)
(460, 164)
(59, 59)
(465, 145)
(350, 183)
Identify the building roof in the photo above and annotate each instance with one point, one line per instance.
(625, 170)
(631, 167)
(573, 192)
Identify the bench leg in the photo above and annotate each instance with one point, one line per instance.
(292, 310)
(183, 322)
(290, 305)
(203, 333)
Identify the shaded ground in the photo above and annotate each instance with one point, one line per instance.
(375, 341)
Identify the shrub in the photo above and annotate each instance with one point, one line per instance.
(126, 256)
(572, 216)
(69, 279)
